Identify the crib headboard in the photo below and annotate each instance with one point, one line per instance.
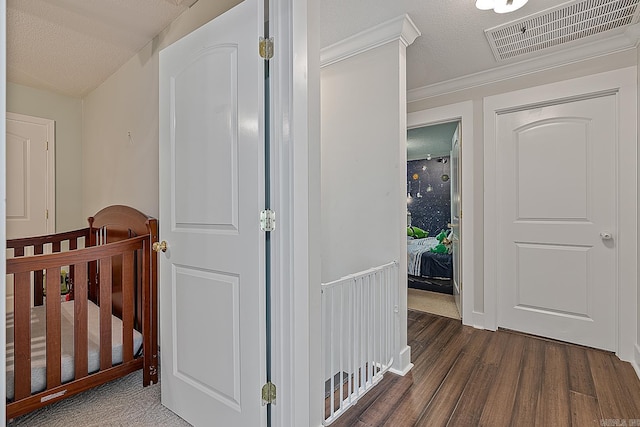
(121, 222)
(115, 223)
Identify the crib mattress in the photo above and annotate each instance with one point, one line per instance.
(38, 344)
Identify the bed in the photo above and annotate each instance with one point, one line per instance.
(104, 328)
(427, 270)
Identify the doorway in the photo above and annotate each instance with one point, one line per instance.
(462, 115)
(433, 213)
(30, 176)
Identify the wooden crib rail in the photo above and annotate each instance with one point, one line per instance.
(73, 239)
(21, 267)
(55, 240)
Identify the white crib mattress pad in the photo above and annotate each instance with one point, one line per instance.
(38, 344)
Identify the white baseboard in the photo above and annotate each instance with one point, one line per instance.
(636, 360)
(477, 320)
(403, 372)
(403, 365)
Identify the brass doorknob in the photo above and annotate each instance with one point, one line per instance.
(160, 246)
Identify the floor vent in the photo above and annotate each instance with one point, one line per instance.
(561, 24)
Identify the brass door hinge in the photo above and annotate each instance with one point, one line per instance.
(266, 48)
(269, 394)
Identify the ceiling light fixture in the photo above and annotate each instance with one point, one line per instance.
(500, 6)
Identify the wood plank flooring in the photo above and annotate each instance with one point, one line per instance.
(469, 377)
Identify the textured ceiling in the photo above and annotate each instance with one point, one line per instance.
(453, 42)
(72, 46)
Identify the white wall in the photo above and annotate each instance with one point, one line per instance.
(360, 162)
(67, 113)
(120, 133)
(3, 210)
(363, 167)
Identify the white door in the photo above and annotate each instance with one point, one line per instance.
(455, 215)
(556, 175)
(211, 193)
(30, 176)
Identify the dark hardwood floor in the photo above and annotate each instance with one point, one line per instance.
(468, 377)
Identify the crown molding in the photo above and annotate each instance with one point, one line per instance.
(626, 40)
(401, 28)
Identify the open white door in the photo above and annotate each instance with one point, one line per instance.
(212, 314)
(455, 215)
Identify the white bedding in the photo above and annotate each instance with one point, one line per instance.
(415, 248)
(38, 344)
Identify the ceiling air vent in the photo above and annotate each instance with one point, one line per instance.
(561, 24)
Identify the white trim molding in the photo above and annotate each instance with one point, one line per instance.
(623, 83)
(462, 111)
(3, 200)
(401, 28)
(636, 360)
(405, 362)
(295, 187)
(623, 41)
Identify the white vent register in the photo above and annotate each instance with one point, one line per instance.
(559, 25)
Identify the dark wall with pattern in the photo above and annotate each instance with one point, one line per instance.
(430, 210)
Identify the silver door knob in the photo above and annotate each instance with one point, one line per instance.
(605, 235)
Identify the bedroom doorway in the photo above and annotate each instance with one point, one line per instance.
(433, 218)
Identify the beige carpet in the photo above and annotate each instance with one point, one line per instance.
(432, 302)
(122, 402)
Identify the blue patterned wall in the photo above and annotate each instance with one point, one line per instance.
(432, 210)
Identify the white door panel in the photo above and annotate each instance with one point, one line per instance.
(556, 193)
(211, 193)
(30, 176)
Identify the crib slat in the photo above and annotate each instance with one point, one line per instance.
(38, 279)
(53, 327)
(80, 336)
(127, 306)
(22, 335)
(105, 313)
(73, 245)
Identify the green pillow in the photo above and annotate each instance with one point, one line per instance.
(417, 233)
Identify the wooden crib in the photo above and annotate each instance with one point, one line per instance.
(108, 327)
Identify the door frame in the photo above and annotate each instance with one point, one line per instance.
(295, 196)
(623, 83)
(3, 204)
(50, 189)
(462, 112)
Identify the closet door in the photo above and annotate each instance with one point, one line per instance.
(557, 228)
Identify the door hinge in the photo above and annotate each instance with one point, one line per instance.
(47, 148)
(46, 213)
(269, 394)
(266, 48)
(267, 220)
